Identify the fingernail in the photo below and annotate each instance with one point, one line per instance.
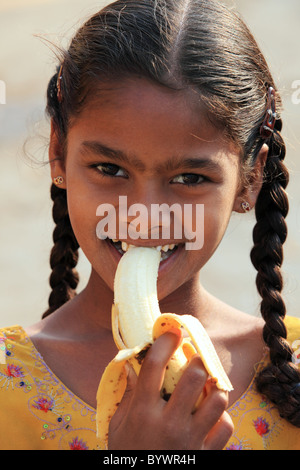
(211, 382)
(176, 331)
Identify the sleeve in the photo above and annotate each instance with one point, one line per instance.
(293, 337)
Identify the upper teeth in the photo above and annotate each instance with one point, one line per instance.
(165, 248)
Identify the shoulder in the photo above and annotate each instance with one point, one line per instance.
(293, 337)
(13, 337)
(14, 345)
(15, 331)
(37, 411)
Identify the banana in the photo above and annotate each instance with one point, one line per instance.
(136, 323)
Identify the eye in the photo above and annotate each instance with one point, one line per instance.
(189, 179)
(109, 169)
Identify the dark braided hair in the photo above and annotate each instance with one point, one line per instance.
(64, 254)
(280, 377)
(200, 45)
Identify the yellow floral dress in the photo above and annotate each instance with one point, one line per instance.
(38, 412)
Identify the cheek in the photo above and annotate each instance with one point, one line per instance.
(214, 227)
(84, 230)
(216, 222)
(82, 212)
(216, 219)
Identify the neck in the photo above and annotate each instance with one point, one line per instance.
(189, 299)
(90, 311)
(94, 303)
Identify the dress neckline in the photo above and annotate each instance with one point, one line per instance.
(38, 355)
(257, 367)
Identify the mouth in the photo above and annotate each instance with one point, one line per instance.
(166, 250)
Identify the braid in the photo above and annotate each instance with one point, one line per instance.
(279, 378)
(64, 254)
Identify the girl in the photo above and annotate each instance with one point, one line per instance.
(161, 101)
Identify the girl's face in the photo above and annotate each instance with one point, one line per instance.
(154, 146)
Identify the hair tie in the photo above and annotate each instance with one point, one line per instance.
(58, 84)
(267, 127)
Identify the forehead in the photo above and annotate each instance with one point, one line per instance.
(147, 119)
(140, 96)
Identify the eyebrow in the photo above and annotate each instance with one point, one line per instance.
(172, 164)
(117, 155)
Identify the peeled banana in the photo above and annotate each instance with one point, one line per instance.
(136, 323)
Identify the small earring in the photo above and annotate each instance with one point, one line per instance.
(246, 206)
(58, 180)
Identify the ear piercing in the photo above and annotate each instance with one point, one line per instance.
(246, 206)
(58, 180)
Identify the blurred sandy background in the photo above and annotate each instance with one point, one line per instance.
(26, 64)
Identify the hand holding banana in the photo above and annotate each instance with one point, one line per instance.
(136, 323)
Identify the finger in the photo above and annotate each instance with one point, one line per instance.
(220, 433)
(210, 411)
(189, 387)
(152, 372)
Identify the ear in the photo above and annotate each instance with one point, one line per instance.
(251, 192)
(56, 157)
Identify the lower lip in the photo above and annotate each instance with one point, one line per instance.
(167, 263)
(164, 265)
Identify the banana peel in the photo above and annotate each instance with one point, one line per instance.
(136, 295)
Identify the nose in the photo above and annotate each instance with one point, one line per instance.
(151, 220)
(142, 200)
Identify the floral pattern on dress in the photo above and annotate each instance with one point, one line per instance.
(78, 444)
(261, 426)
(54, 407)
(44, 404)
(258, 416)
(59, 420)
